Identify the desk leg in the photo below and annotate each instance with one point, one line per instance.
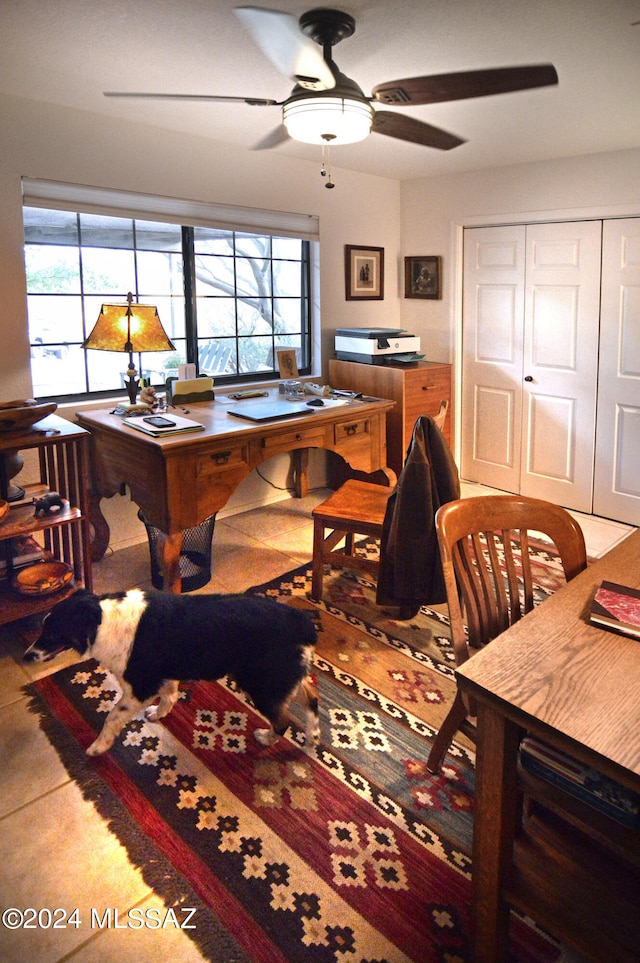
(101, 532)
(170, 547)
(496, 814)
(300, 469)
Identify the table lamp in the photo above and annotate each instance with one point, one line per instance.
(133, 328)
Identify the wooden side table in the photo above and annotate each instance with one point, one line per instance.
(64, 536)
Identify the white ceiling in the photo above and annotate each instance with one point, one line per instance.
(68, 52)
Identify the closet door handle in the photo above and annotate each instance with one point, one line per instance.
(528, 377)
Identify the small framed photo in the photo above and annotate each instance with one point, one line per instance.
(364, 273)
(423, 277)
(287, 364)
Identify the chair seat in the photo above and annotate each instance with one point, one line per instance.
(357, 508)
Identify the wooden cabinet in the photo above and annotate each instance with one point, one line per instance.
(61, 451)
(417, 389)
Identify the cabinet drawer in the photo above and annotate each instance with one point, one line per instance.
(423, 395)
(220, 460)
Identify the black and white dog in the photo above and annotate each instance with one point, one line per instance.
(153, 640)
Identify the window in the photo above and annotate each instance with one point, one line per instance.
(227, 298)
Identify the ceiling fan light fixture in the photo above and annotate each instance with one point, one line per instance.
(338, 119)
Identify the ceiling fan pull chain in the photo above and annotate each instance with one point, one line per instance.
(326, 168)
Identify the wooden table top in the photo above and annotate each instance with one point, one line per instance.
(553, 669)
(218, 423)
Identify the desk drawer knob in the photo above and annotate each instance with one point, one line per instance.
(350, 429)
(221, 457)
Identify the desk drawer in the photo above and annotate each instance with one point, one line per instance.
(311, 437)
(350, 430)
(353, 441)
(220, 460)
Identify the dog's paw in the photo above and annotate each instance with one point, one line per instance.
(266, 737)
(97, 748)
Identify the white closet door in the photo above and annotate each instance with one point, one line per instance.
(617, 474)
(530, 347)
(492, 345)
(562, 312)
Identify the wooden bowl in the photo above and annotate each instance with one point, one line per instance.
(43, 578)
(19, 417)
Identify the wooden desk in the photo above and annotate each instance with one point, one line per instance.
(181, 479)
(577, 687)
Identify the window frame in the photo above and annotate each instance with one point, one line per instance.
(83, 200)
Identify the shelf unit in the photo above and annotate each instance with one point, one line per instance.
(61, 449)
(417, 389)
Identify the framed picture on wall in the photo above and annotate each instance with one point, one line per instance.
(364, 273)
(423, 277)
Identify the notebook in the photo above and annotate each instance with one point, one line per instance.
(617, 607)
(179, 425)
(270, 410)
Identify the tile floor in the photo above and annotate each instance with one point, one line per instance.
(54, 850)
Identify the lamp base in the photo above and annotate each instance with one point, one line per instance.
(132, 383)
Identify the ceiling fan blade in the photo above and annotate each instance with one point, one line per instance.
(275, 137)
(415, 131)
(467, 83)
(253, 101)
(278, 36)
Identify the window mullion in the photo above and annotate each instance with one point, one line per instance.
(189, 282)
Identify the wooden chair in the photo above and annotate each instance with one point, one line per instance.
(213, 357)
(356, 508)
(484, 594)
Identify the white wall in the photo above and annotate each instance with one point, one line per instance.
(434, 211)
(44, 141)
(434, 208)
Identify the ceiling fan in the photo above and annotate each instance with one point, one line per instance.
(327, 107)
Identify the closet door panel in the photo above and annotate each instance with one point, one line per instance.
(550, 446)
(562, 298)
(617, 473)
(492, 356)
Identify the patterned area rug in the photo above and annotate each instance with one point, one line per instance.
(350, 852)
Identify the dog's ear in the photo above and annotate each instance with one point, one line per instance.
(76, 620)
(86, 617)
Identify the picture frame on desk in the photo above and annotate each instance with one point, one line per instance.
(364, 273)
(287, 362)
(423, 277)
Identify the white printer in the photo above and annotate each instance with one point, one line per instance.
(375, 345)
